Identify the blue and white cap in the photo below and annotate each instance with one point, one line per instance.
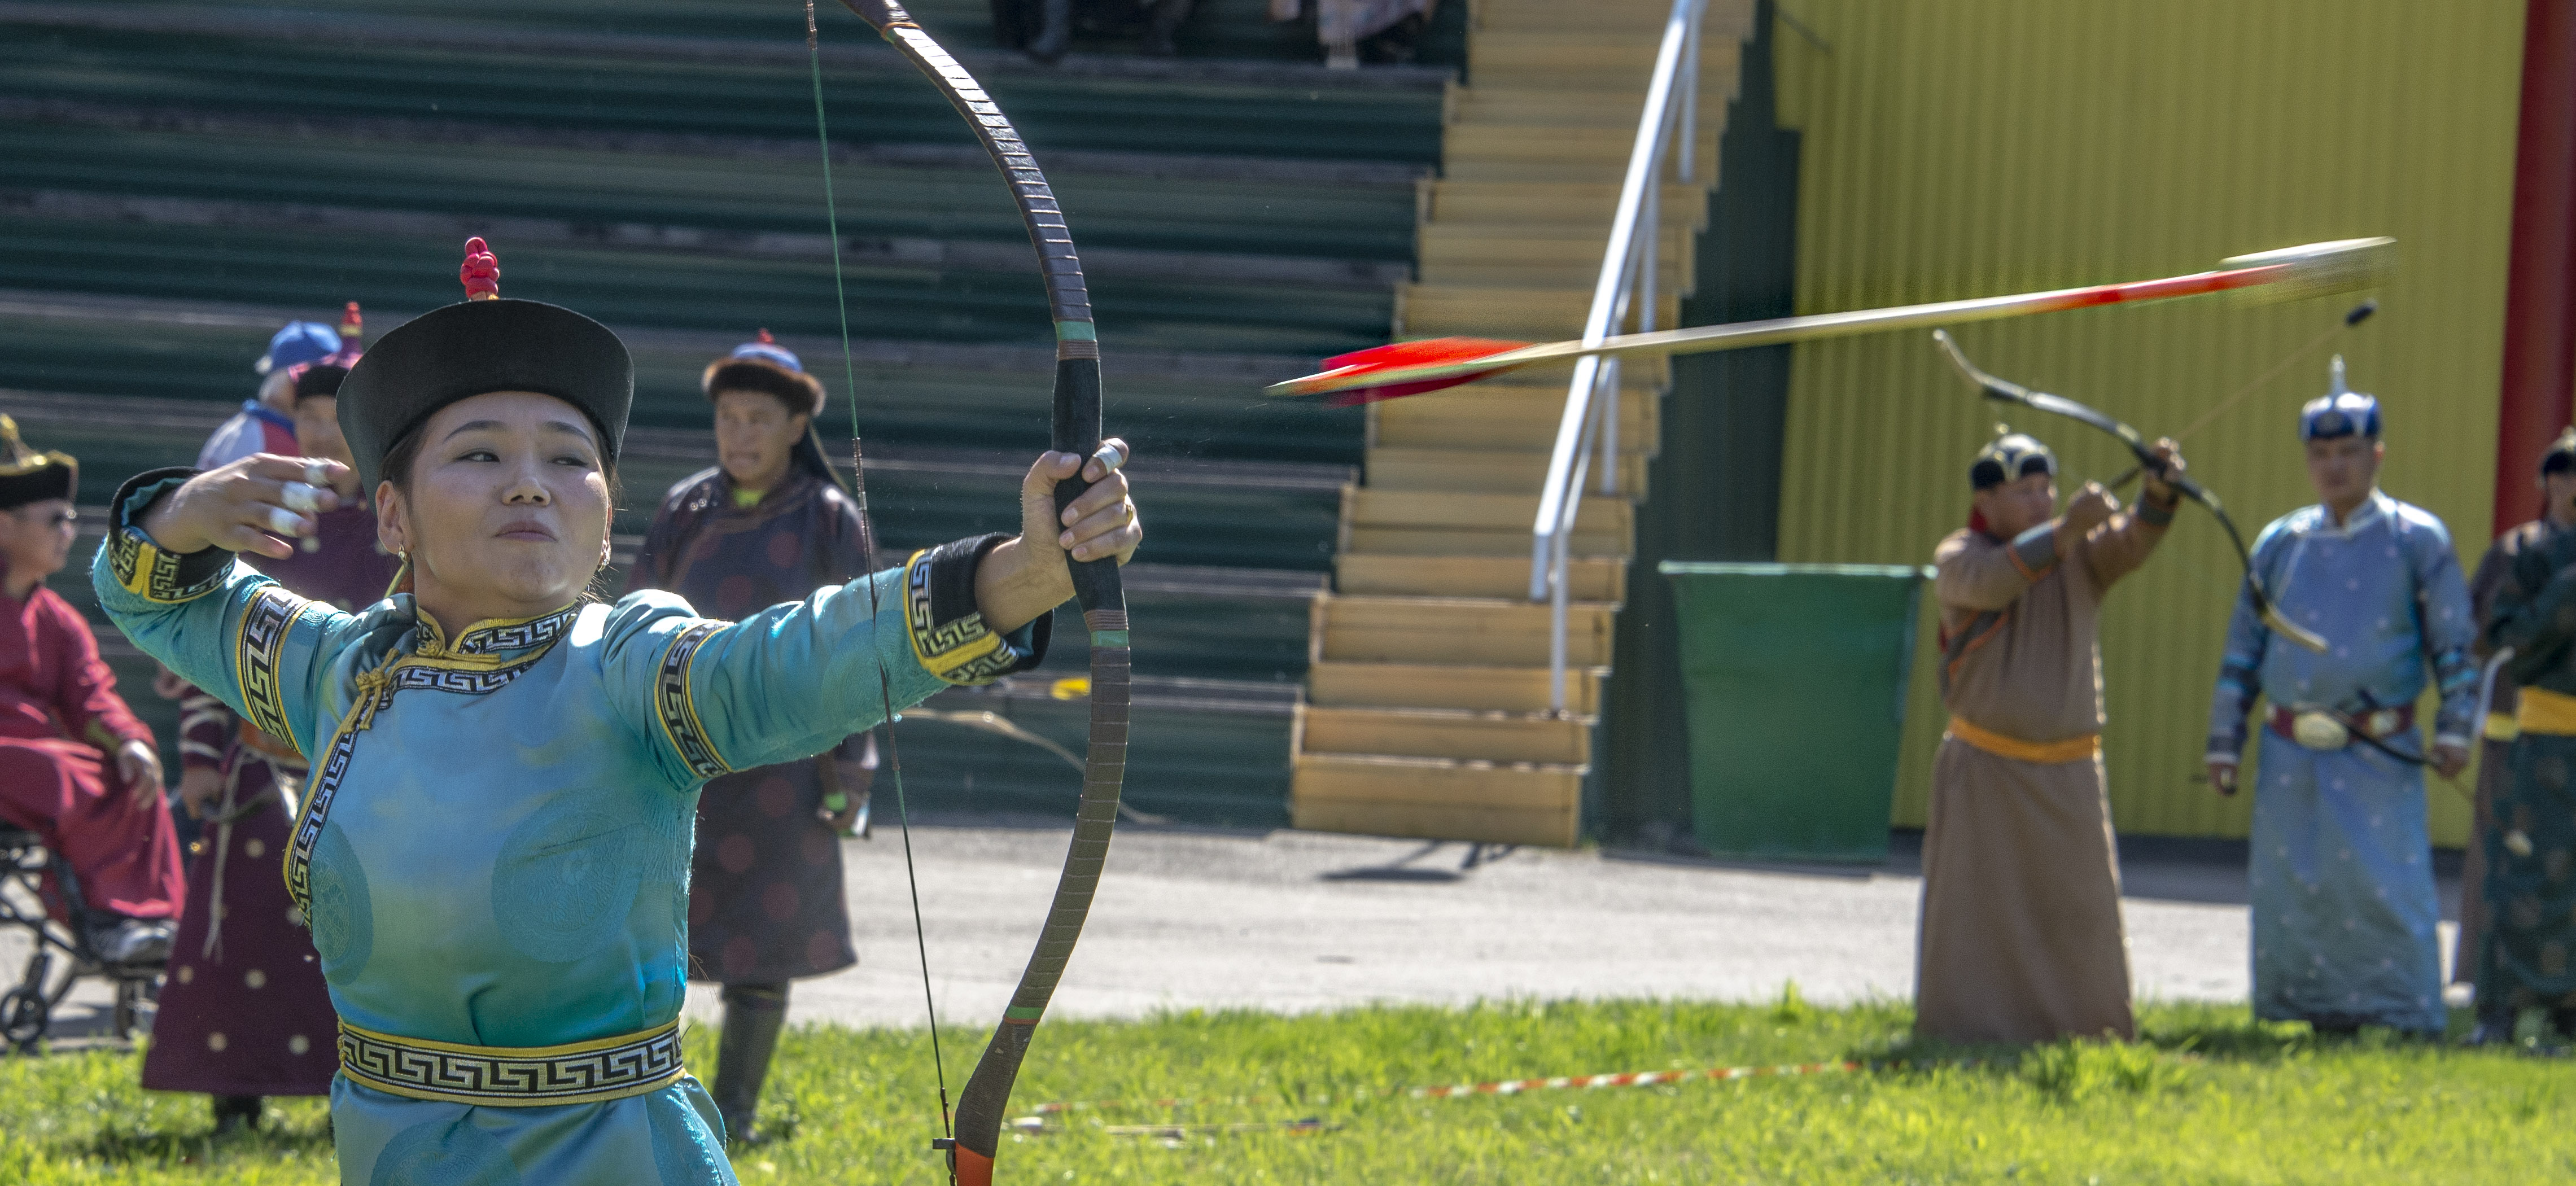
(2340, 412)
(768, 349)
(300, 341)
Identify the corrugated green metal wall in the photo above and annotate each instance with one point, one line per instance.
(1987, 146)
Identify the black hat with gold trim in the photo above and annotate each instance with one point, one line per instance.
(29, 476)
(478, 345)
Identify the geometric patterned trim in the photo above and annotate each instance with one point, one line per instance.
(517, 636)
(962, 651)
(678, 707)
(465, 681)
(142, 568)
(373, 694)
(255, 656)
(513, 1077)
(376, 690)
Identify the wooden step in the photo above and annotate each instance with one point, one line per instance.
(1572, 47)
(1492, 471)
(1730, 19)
(1434, 685)
(1521, 103)
(1457, 631)
(1437, 799)
(1475, 151)
(1439, 523)
(1518, 314)
(1504, 577)
(1640, 16)
(1445, 733)
(1561, 203)
(1494, 415)
(1492, 256)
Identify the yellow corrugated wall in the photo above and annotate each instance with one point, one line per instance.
(1973, 147)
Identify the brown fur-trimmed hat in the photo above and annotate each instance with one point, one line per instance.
(765, 366)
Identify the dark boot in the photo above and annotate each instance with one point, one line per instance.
(753, 1015)
(236, 1113)
(1055, 35)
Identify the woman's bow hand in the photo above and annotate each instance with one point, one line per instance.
(1026, 577)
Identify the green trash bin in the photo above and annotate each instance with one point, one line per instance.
(1795, 678)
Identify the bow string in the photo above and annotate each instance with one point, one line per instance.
(975, 1137)
(2006, 391)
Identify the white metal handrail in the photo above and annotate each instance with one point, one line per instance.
(1629, 264)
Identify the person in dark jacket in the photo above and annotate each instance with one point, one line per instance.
(768, 524)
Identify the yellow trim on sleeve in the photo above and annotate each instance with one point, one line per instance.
(2550, 714)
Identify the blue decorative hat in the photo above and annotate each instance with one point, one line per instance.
(300, 341)
(2340, 412)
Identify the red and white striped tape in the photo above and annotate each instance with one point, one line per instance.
(1497, 1087)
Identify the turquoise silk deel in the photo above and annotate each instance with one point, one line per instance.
(504, 823)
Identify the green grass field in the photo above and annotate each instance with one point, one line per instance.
(2206, 1096)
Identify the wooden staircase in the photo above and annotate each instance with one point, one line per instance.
(1427, 700)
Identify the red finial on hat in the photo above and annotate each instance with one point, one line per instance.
(481, 272)
(766, 340)
(350, 324)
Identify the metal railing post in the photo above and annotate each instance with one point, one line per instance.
(1690, 99)
(1580, 427)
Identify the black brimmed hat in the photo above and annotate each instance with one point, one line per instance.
(479, 345)
(29, 476)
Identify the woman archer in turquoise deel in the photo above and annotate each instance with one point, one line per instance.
(493, 851)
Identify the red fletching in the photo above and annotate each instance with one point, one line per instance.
(1370, 395)
(351, 324)
(1402, 355)
(765, 339)
(481, 272)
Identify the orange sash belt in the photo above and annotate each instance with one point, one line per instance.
(2045, 753)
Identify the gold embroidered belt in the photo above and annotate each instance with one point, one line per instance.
(2045, 753)
(2546, 712)
(513, 1076)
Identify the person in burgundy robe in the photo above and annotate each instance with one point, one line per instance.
(76, 768)
(245, 1013)
(768, 524)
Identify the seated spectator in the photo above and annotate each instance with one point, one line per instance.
(62, 725)
(1378, 32)
(1046, 28)
(266, 423)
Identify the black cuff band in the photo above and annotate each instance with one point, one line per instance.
(948, 633)
(139, 564)
(2157, 516)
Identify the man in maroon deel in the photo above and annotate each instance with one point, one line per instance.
(76, 768)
